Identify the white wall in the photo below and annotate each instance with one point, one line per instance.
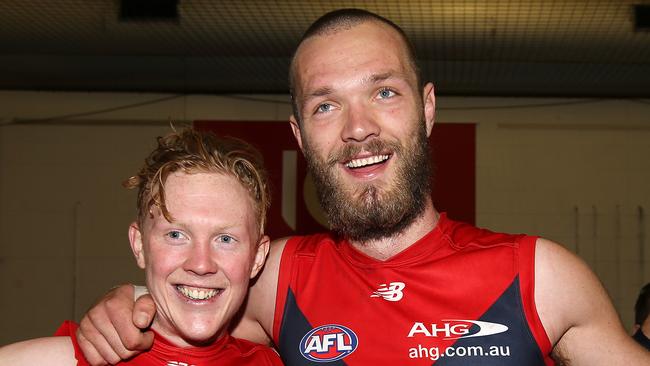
(575, 171)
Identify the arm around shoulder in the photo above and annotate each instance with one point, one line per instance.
(56, 351)
(577, 313)
(113, 329)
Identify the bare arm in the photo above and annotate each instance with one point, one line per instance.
(577, 314)
(56, 351)
(113, 330)
(257, 322)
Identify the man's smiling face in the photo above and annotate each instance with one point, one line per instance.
(363, 128)
(198, 266)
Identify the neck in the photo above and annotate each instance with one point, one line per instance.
(172, 335)
(387, 247)
(164, 329)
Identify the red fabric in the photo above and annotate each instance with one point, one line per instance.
(455, 272)
(225, 351)
(527, 283)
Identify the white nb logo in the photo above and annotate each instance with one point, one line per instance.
(390, 292)
(178, 363)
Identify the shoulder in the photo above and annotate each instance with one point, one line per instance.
(577, 313)
(257, 320)
(463, 235)
(306, 244)
(57, 351)
(266, 284)
(565, 288)
(284, 250)
(264, 289)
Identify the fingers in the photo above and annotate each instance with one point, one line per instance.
(92, 355)
(123, 335)
(144, 311)
(93, 343)
(107, 333)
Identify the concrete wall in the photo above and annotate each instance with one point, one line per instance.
(574, 171)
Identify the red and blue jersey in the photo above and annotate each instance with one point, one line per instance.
(459, 296)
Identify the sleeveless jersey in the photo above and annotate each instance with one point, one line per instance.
(226, 350)
(458, 296)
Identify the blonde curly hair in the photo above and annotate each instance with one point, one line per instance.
(193, 151)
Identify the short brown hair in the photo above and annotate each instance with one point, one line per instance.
(193, 151)
(343, 19)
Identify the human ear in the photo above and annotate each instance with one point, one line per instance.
(295, 127)
(135, 237)
(429, 101)
(260, 255)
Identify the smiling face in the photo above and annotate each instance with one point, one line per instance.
(363, 128)
(199, 265)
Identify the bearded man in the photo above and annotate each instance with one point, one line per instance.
(394, 282)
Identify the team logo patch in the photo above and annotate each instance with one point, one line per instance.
(328, 343)
(456, 329)
(391, 292)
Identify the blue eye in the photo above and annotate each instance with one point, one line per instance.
(386, 93)
(175, 234)
(226, 239)
(323, 108)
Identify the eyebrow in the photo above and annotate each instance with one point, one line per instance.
(377, 78)
(372, 79)
(320, 92)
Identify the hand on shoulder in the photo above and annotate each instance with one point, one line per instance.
(112, 329)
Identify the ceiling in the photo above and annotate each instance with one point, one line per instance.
(581, 48)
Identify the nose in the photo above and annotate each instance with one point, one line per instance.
(200, 259)
(360, 123)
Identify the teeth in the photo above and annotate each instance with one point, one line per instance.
(357, 163)
(197, 294)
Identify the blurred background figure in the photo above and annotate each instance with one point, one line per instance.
(641, 319)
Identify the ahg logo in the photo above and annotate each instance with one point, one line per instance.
(328, 343)
(457, 328)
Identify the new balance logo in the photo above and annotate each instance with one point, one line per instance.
(178, 363)
(390, 292)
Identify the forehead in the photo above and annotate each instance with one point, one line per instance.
(365, 49)
(209, 196)
(199, 181)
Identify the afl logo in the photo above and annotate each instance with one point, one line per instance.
(328, 343)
